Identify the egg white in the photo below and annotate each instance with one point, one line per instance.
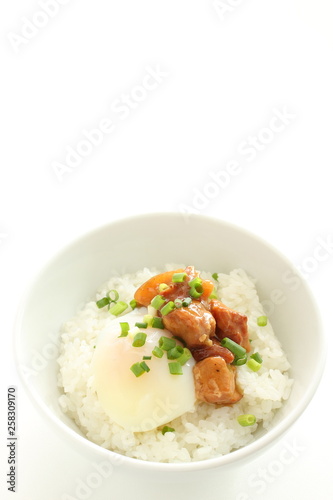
(140, 403)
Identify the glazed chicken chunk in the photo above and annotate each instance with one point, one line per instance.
(194, 324)
(215, 381)
(230, 323)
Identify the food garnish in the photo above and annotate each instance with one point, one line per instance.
(262, 321)
(124, 326)
(139, 339)
(167, 429)
(246, 420)
(118, 308)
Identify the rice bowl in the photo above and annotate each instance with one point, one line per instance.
(71, 280)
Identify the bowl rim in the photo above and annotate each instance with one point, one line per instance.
(238, 455)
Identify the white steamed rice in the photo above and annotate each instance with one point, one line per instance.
(207, 432)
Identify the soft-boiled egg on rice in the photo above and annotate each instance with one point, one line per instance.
(154, 398)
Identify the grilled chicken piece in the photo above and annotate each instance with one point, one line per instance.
(215, 381)
(204, 351)
(194, 324)
(230, 323)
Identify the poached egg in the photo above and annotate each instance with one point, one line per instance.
(154, 398)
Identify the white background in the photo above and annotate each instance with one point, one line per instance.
(224, 75)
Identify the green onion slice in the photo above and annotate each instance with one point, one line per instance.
(167, 429)
(196, 290)
(256, 356)
(166, 343)
(215, 276)
(179, 277)
(157, 302)
(144, 366)
(195, 281)
(157, 322)
(133, 304)
(235, 348)
(187, 301)
(170, 306)
(118, 308)
(146, 357)
(253, 365)
(262, 321)
(175, 352)
(213, 295)
(148, 318)
(239, 361)
(175, 368)
(115, 293)
(139, 339)
(178, 303)
(141, 325)
(158, 352)
(105, 301)
(162, 287)
(185, 356)
(246, 420)
(137, 369)
(124, 329)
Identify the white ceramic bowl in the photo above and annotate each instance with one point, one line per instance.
(152, 240)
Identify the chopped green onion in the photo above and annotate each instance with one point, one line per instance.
(179, 277)
(175, 368)
(213, 295)
(141, 325)
(185, 356)
(118, 308)
(105, 301)
(256, 356)
(178, 303)
(175, 352)
(215, 276)
(166, 343)
(253, 365)
(158, 352)
(148, 318)
(133, 304)
(196, 290)
(162, 287)
(167, 429)
(183, 303)
(124, 329)
(246, 420)
(157, 323)
(195, 281)
(235, 348)
(116, 295)
(146, 357)
(139, 339)
(262, 321)
(137, 369)
(157, 302)
(170, 306)
(239, 361)
(145, 367)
